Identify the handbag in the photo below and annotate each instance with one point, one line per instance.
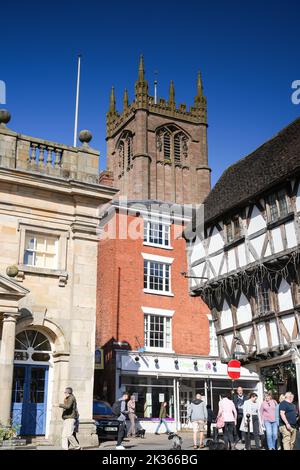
(220, 421)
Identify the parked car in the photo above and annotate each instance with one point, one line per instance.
(106, 424)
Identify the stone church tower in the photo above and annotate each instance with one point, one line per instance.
(156, 150)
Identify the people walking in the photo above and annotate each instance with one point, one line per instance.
(268, 417)
(288, 421)
(120, 411)
(162, 418)
(239, 399)
(197, 414)
(250, 408)
(70, 417)
(229, 414)
(132, 416)
(211, 418)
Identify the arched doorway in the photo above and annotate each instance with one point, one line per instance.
(30, 382)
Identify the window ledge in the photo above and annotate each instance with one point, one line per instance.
(61, 274)
(233, 243)
(156, 292)
(159, 350)
(156, 245)
(281, 220)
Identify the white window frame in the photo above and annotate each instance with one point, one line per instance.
(167, 315)
(165, 261)
(165, 227)
(34, 251)
(62, 242)
(213, 339)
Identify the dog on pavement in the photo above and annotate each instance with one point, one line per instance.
(177, 441)
(140, 433)
(215, 445)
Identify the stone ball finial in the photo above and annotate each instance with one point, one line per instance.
(12, 271)
(4, 116)
(85, 136)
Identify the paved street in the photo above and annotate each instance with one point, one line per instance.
(151, 442)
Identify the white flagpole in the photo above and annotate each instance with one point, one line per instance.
(77, 102)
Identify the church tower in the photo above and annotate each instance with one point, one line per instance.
(156, 150)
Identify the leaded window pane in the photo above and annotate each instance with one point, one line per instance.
(262, 298)
(283, 208)
(273, 207)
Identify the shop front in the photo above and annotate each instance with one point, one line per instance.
(154, 379)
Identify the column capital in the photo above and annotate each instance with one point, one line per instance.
(10, 317)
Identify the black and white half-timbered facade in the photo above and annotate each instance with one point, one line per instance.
(245, 263)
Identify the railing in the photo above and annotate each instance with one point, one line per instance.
(45, 155)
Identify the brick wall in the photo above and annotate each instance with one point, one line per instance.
(120, 295)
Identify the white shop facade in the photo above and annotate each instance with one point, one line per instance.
(175, 379)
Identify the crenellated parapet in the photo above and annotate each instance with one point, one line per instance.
(196, 114)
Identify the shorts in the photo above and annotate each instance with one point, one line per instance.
(198, 425)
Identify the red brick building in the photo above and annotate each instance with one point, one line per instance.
(158, 341)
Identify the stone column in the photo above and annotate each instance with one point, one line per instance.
(7, 366)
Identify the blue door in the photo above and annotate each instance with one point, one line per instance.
(29, 401)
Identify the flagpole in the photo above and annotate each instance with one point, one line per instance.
(77, 101)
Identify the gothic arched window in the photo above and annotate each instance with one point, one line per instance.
(125, 151)
(172, 143)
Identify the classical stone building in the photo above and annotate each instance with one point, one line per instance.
(249, 256)
(156, 150)
(50, 199)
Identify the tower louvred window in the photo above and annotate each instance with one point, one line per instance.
(125, 150)
(175, 144)
(129, 150)
(167, 147)
(177, 148)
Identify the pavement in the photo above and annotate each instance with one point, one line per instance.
(150, 442)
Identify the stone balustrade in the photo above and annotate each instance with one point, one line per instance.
(46, 157)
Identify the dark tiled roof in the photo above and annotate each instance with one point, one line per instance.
(275, 160)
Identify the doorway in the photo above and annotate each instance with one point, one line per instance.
(186, 397)
(30, 383)
(29, 401)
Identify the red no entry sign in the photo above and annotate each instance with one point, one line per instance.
(234, 369)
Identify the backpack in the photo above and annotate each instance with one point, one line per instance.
(116, 409)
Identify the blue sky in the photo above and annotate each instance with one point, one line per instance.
(248, 53)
